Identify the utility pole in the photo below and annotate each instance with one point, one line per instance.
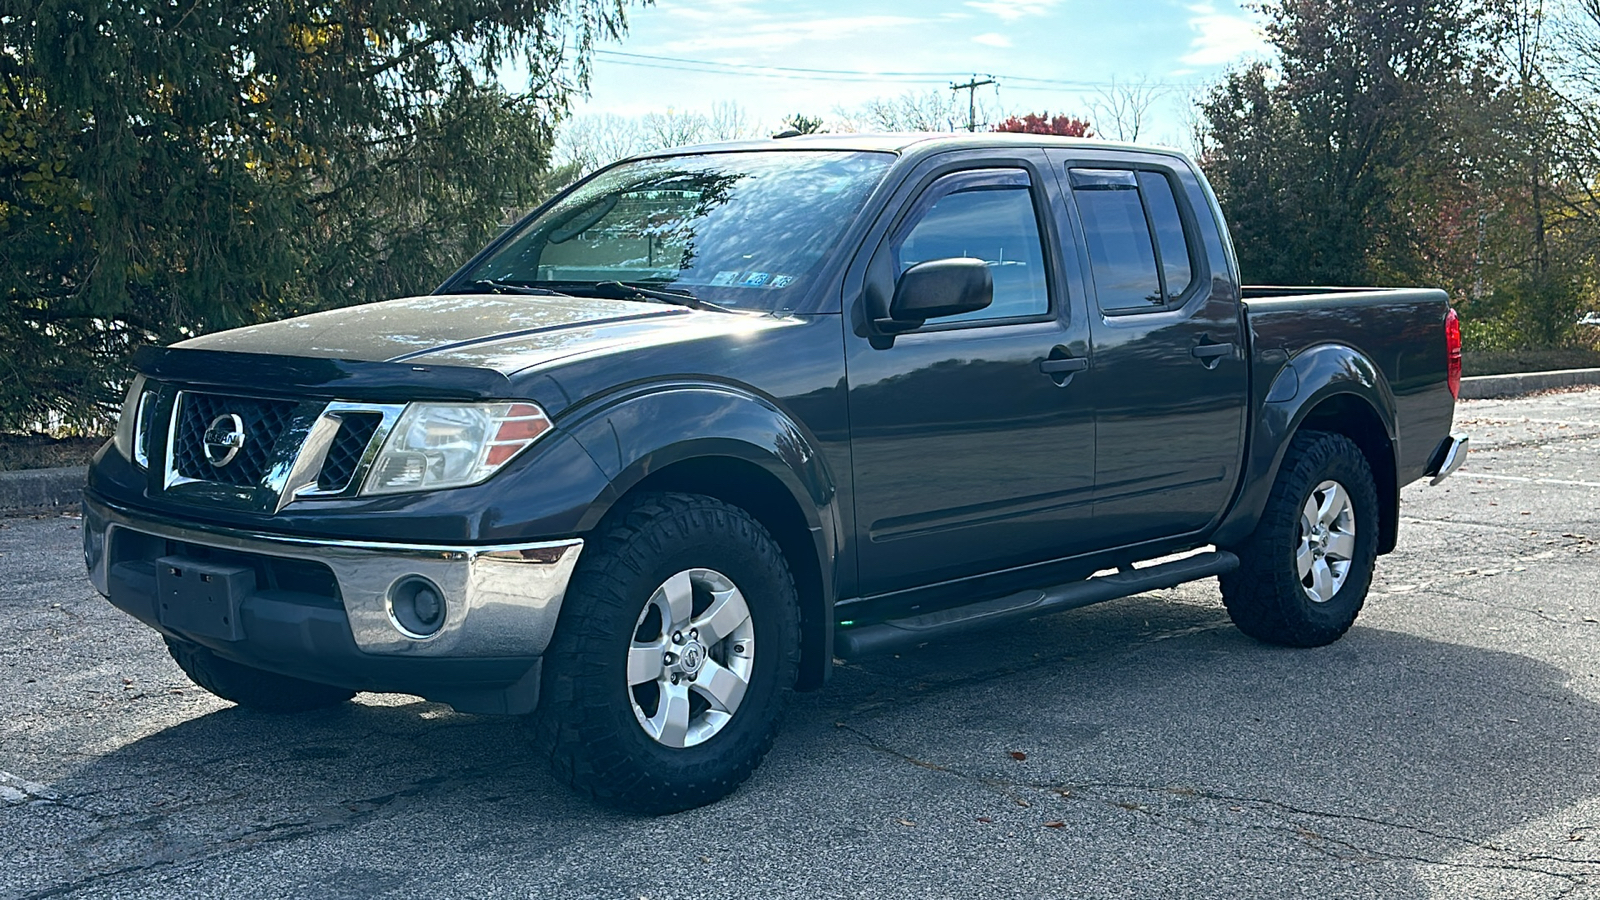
(971, 88)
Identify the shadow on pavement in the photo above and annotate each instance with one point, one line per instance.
(1384, 749)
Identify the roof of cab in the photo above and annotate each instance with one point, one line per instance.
(913, 141)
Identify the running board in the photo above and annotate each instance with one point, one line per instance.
(867, 640)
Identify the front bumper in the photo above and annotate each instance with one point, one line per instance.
(322, 609)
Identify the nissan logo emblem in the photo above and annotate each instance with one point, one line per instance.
(223, 439)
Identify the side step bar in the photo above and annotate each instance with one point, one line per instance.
(866, 640)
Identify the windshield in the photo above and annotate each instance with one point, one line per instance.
(745, 230)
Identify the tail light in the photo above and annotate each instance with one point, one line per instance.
(1452, 346)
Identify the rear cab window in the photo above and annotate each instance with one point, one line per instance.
(1140, 252)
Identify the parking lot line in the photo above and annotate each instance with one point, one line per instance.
(1526, 480)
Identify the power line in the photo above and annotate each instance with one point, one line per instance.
(756, 72)
(804, 71)
(684, 64)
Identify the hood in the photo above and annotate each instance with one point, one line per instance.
(504, 333)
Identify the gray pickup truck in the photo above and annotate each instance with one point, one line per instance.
(716, 416)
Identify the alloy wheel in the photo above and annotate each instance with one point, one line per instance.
(1327, 541)
(691, 658)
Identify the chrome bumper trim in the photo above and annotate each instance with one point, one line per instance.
(1451, 454)
(503, 599)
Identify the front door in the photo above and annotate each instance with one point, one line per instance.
(972, 443)
(1169, 379)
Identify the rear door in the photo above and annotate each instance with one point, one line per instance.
(972, 443)
(1169, 379)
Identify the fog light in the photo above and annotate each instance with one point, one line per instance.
(416, 607)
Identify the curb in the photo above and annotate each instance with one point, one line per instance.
(41, 488)
(1486, 387)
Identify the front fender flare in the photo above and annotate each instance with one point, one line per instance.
(649, 430)
(633, 436)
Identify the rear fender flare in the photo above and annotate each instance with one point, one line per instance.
(1313, 377)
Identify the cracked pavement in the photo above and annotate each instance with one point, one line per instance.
(1446, 748)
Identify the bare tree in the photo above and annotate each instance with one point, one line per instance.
(1576, 86)
(1580, 37)
(728, 121)
(1121, 110)
(589, 142)
(675, 129)
(932, 110)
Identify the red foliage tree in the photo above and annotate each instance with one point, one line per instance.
(1044, 123)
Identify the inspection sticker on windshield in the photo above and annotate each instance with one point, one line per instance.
(726, 277)
(781, 281)
(755, 279)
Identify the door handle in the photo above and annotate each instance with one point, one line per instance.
(1061, 367)
(1211, 354)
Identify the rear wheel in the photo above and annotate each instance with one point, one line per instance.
(1304, 573)
(250, 687)
(675, 654)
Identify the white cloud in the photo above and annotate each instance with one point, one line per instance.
(1220, 38)
(713, 10)
(992, 40)
(782, 33)
(1012, 10)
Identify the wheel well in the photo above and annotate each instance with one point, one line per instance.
(1355, 418)
(760, 493)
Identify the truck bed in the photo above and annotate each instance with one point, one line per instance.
(1399, 329)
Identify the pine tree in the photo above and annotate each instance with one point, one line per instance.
(180, 166)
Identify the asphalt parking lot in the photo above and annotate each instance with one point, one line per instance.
(1448, 747)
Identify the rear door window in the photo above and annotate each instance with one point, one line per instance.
(1171, 244)
(1138, 249)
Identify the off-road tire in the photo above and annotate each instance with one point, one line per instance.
(1264, 596)
(586, 723)
(253, 688)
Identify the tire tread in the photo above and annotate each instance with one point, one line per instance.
(1262, 596)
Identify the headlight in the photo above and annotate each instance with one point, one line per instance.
(135, 423)
(446, 445)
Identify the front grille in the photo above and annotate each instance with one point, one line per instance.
(264, 422)
(349, 445)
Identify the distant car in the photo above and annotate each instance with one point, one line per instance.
(715, 416)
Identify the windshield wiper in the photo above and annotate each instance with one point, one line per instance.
(490, 285)
(622, 290)
(618, 290)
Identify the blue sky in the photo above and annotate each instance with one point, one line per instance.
(1181, 43)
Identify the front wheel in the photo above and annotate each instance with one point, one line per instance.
(675, 653)
(1305, 571)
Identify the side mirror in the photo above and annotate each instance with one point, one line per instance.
(940, 287)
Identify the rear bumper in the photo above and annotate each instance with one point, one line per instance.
(1448, 457)
(322, 609)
